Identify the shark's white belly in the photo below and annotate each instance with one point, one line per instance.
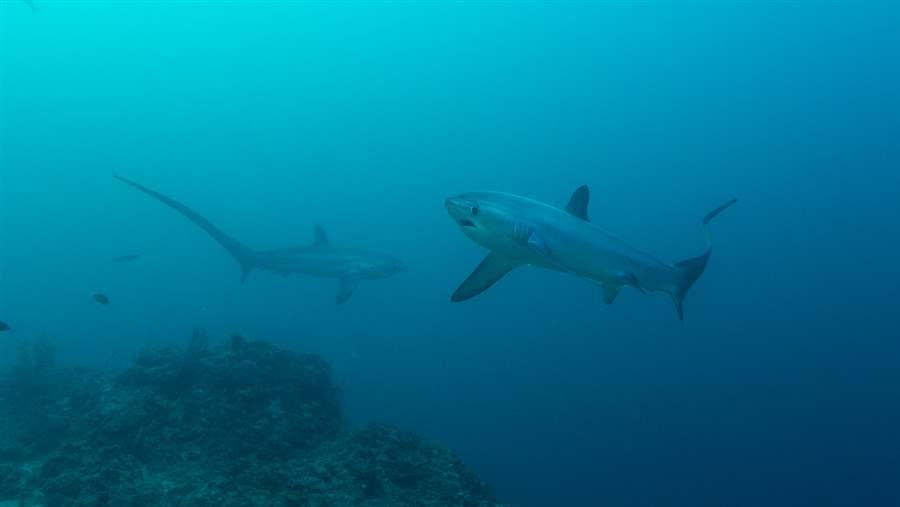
(582, 252)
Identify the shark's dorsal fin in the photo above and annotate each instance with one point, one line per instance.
(578, 203)
(320, 238)
(491, 269)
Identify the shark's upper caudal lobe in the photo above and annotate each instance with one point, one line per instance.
(520, 231)
(320, 259)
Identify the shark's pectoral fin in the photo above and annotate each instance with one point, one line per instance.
(610, 292)
(491, 269)
(348, 284)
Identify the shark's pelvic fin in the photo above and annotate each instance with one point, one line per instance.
(245, 257)
(610, 292)
(320, 237)
(629, 278)
(691, 269)
(347, 285)
(491, 269)
(578, 203)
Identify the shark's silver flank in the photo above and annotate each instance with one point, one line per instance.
(319, 259)
(520, 231)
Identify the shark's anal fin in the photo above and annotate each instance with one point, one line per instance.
(491, 269)
(348, 284)
(610, 292)
(578, 203)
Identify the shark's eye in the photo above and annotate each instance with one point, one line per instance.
(474, 210)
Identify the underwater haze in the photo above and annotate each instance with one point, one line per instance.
(780, 388)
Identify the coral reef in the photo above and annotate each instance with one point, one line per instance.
(246, 424)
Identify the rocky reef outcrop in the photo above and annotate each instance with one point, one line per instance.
(244, 424)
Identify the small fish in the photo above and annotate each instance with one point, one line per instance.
(101, 298)
(126, 258)
(4, 326)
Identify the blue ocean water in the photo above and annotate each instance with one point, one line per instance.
(781, 387)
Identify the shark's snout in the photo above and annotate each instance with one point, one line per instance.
(461, 210)
(453, 205)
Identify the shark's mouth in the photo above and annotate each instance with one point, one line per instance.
(465, 222)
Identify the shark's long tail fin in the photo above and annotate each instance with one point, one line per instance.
(245, 257)
(691, 269)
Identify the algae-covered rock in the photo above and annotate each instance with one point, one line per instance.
(383, 466)
(246, 424)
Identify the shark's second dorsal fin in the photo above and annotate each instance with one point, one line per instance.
(578, 203)
(320, 238)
